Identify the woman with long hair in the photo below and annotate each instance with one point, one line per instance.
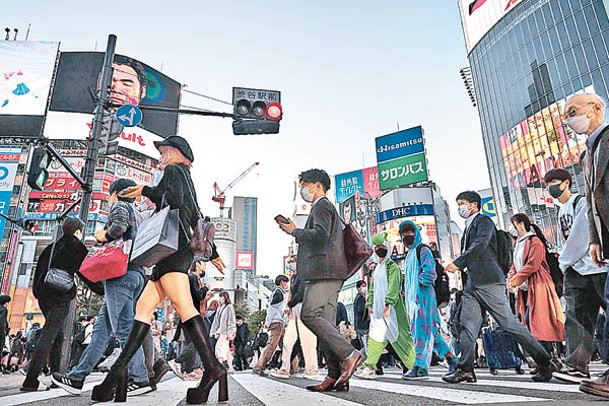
(170, 279)
(537, 302)
(224, 329)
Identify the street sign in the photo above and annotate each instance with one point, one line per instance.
(129, 116)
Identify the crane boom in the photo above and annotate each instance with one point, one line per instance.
(238, 178)
(220, 196)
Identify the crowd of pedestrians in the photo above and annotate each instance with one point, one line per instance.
(397, 309)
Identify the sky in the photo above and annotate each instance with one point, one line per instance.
(348, 71)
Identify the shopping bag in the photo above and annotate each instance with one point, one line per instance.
(357, 250)
(157, 238)
(106, 261)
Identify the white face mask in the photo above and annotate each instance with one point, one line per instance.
(307, 195)
(579, 124)
(464, 211)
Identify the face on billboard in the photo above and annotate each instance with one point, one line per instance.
(133, 82)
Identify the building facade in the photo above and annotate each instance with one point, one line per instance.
(527, 58)
(245, 214)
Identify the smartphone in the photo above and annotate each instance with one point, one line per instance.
(280, 219)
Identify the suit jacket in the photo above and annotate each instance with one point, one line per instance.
(321, 254)
(597, 194)
(479, 255)
(360, 314)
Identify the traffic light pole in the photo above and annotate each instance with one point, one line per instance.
(88, 174)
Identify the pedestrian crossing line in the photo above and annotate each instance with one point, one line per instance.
(27, 397)
(550, 387)
(466, 397)
(272, 392)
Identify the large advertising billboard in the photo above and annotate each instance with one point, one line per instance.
(365, 181)
(26, 72)
(536, 145)
(9, 160)
(479, 16)
(401, 158)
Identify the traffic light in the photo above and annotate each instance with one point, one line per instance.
(111, 129)
(256, 111)
(29, 225)
(37, 172)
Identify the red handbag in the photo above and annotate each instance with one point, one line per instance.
(107, 261)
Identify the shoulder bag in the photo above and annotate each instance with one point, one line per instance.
(357, 250)
(56, 278)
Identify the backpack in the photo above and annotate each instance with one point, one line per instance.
(555, 271)
(32, 340)
(441, 285)
(505, 250)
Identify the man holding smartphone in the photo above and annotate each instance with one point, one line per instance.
(321, 264)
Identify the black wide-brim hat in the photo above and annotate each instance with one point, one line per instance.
(177, 142)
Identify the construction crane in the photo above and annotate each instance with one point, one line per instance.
(220, 195)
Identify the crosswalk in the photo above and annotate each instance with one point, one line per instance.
(507, 388)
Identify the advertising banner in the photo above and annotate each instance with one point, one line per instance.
(133, 83)
(244, 260)
(405, 211)
(479, 16)
(403, 171)
(9, 160)
(400, 144)
(488, 206)
(26, 72)
(365, 181)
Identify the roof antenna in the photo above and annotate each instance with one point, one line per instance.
(27, 33)
(8, 32)
(16, 31)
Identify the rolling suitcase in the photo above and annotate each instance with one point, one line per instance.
(502, 351)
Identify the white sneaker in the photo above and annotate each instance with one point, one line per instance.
(366, 373)
(281, 374)
(313, 377)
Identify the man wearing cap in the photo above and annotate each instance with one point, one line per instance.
(117, 313)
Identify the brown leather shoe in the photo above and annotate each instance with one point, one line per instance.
(326, 386)
(598, 387)
(349, 365)
(343, 387)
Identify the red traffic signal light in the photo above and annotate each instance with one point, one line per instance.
(274, 112)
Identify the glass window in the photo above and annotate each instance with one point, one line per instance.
(565, 7)
(601, 14)
(562, 34)
(578, 51)
(591, 20)
(597, 79)
(581, 24)
(590, 55)
(572, 30)
(600, 49)
(571, 64)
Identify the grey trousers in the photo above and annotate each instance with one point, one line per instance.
(319, 315)
(492, 298)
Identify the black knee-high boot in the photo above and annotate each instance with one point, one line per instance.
(214, 371)
(115, 384)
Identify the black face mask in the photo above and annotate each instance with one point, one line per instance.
(381, 252)
(555, 191)
(408, 240)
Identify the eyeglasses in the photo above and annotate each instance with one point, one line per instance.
(572, 112)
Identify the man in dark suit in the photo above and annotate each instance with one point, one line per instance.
(485, 290)
(322, 265)
(361, 320)
(585, 114)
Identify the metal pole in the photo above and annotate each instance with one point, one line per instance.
(88, 174)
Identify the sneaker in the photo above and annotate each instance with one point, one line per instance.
(417, 374)
(138, 388)
(544, 373)
(313, 377)
(366, 373)
(281, 374)
(73, 387)
(39, 388)
(176, 368)
(260, 372)
(571, 375)
(110, 360)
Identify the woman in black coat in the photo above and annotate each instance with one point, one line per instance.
(68, 254)
(170, 279)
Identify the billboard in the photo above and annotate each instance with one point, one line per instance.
(133, 83)
(9, 160)
(365, 181)
(401, 158)
(479, 16)
(536, 145)
(26, 72)
(244, 260)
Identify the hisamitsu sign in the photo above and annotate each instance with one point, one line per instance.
(402, 143)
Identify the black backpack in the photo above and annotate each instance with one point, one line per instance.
(505, 250)
(555, 272)
(442, 285)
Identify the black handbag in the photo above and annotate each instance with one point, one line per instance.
(58, 279)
